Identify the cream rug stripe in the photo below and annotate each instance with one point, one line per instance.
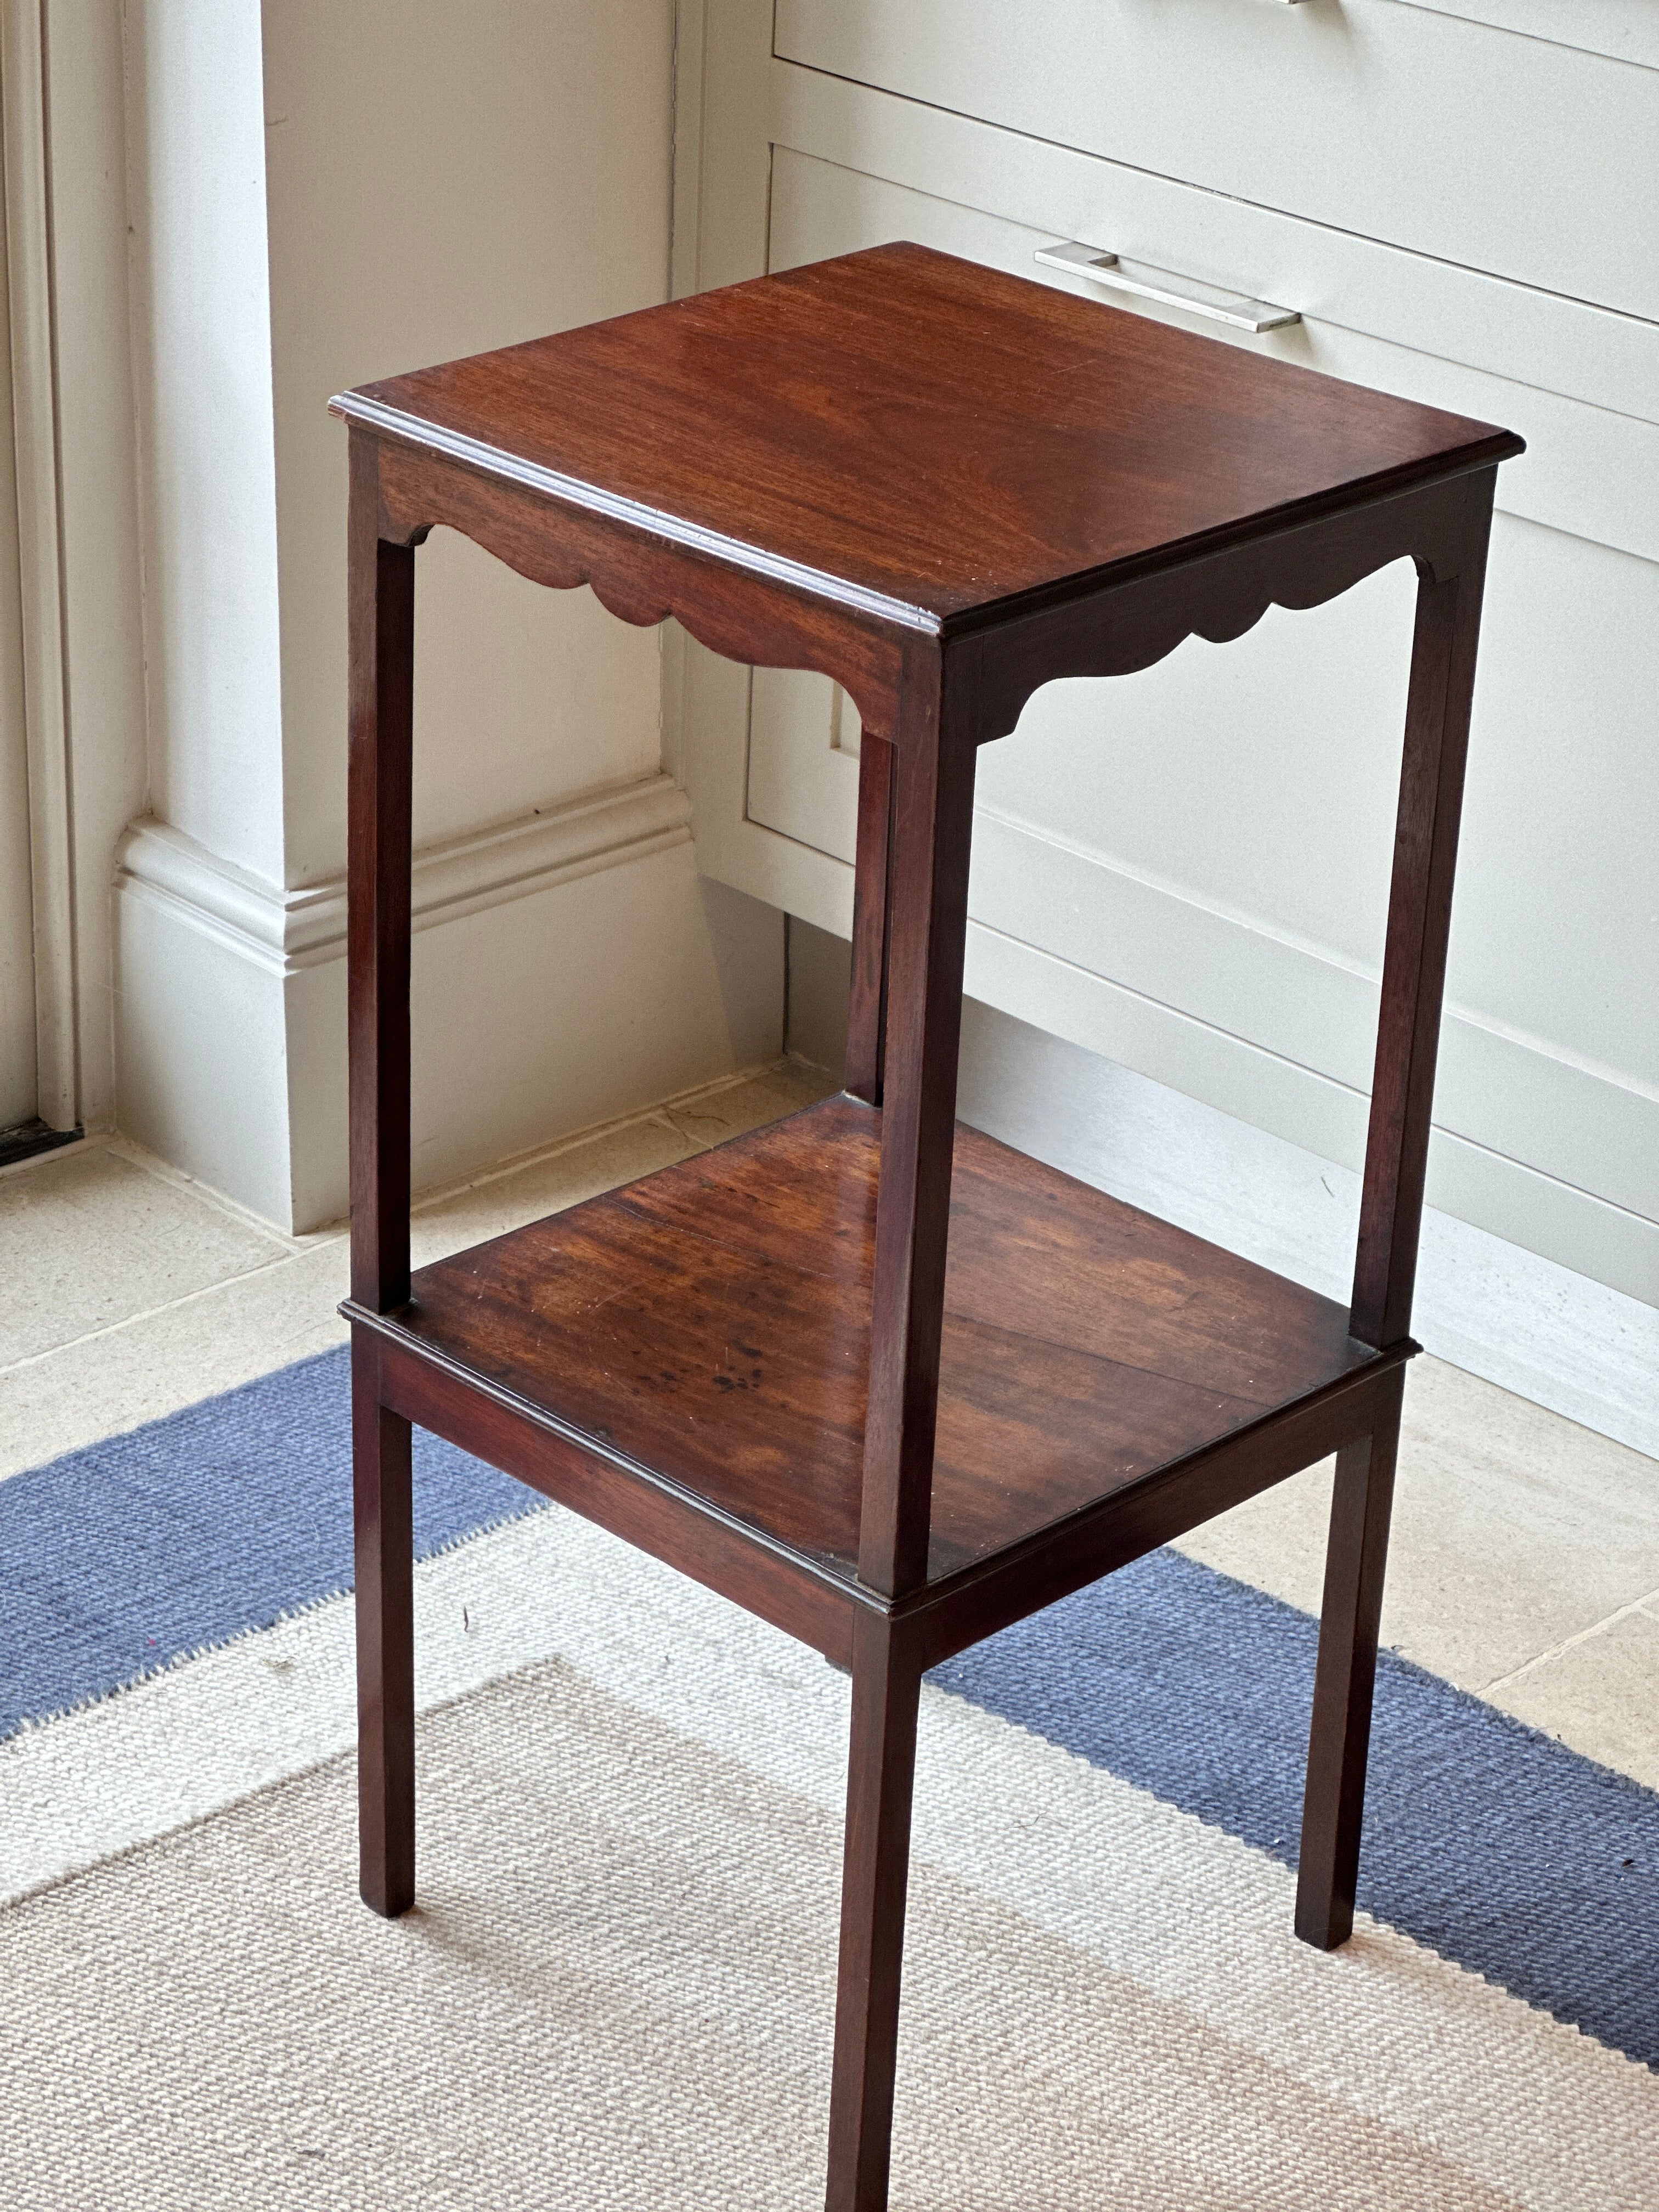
(214, 1728)
(1180, 1911)
(1180, 1908)
(617, 1993)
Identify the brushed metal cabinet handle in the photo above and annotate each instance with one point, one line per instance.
(1146, 283)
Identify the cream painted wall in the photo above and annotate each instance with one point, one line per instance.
(320, 195)
(443, 180)
(201, 325)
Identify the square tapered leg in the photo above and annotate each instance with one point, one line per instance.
(1340, 1741)
(385, 1642)
(881, 1771)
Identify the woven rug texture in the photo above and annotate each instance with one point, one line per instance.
(617, 1987)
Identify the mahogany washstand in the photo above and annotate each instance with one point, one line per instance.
(942, 486)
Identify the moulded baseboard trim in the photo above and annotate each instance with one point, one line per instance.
(286, 931)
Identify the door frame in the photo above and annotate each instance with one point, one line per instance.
(32, 369)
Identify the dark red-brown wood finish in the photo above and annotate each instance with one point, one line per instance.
(713, 1323)
(882, 1381)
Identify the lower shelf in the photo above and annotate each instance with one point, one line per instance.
(711, 1324)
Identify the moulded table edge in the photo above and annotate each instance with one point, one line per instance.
(386, 1326)
(497, 461)
(575, 491)
(954, 1587)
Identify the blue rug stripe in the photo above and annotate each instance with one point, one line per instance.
(198, 1527)
(1496, 1846)
(1491, 1843)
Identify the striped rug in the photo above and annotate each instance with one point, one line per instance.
(617, 1988)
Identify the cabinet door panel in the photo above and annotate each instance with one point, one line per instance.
(1457, 140)
(1588, 470)
(803, 760)
(1206, 843)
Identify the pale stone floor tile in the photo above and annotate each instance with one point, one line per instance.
(162, 1361)
(1514, 1529)
(767, 1097)
(1276, 1541)
(1600, 1695)
(87, 1239)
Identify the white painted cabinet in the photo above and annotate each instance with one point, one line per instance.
(1186, 869)
(1386, 120)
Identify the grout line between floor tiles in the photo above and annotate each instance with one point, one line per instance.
(1641, 1605)
(167, 1305)
(163, 1171)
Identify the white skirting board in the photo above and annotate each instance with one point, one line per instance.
(568, 967)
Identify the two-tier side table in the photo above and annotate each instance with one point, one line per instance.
(888, 1383)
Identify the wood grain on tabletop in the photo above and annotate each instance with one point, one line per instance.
(930, 429)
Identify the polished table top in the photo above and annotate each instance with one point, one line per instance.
(921, 437)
